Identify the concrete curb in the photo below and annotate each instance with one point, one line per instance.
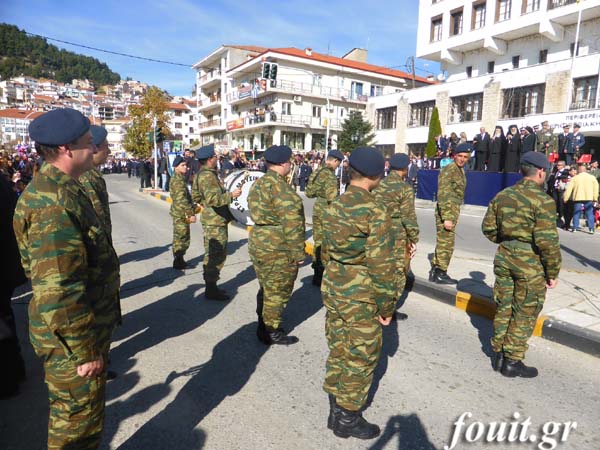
(546, 327)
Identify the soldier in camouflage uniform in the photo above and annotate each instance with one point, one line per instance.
(276, 243)
(182, 211)
(66, 252)
(522, 219)
(547, 141)
(323, 185)
(358, 292)
(93, 181)
(399, 199)
(209, 192)
(452, 183)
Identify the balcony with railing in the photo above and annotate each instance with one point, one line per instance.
(209, 102)
(209, 77)
(214, 123)
(294, 120)
(583, 104)
(553, 4)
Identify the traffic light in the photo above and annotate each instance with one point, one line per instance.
(159, 135)
(149, 137)
(273, 72)
(266, 70)
(329, 143)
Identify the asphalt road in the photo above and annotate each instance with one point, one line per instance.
(193, 376)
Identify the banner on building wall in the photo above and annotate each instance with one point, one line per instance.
(244, 91)
(235, 124)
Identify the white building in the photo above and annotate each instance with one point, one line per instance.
(116, 129)
(14, 125)
(310, 92)
(504, 62)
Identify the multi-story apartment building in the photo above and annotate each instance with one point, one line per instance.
(309, 93)
(116, 129)
(14, 125)
(183, 123)
(504, 62)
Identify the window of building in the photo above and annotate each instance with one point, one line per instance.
(177, 113)
(420, 114)
(585, 91)
(316, 111)
(318, 141)
(466, 108)
(491, 66)
(177, 125)
(552, 4)
(286, 108)
(469, 71)
(341, 112)
(191, 118)
(456, 22)
(293, 139)
(386, 149)
(530, 6)
(356, 89)
(385, 118)
(478, 17)
(191, 130)
(515, 61)
(518, 102)
(543, 56)
(436, 29)
(503, 10)
(376, 90)
(572, 47)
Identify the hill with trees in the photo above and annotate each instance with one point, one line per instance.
(21, 54)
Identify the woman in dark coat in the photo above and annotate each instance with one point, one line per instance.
(512, 162)
(497, 145)
(528, 141)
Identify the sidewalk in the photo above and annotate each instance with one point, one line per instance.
(571, 313)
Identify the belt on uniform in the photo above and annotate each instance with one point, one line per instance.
(513, 243)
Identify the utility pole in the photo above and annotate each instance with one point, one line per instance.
(155, 154)
(410, 65)
(575, 51)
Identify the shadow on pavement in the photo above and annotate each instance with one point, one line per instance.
(232, 247)
(475, 285)
(581, 258)
(409, 432)
(304, 303)
(233, 362)
(143, 254)
(159, 278)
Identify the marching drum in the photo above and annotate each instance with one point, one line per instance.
(243, 179)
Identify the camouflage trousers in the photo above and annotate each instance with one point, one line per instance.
(76, 404)
(276, 274)
(519, 293)
(317, 234)
(181, 235)
(215, 251)
(354, 338)
(400, 255)
(444, 244)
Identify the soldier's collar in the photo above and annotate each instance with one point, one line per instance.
(55, 174)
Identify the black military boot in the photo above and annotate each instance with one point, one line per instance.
(333, 410)
(261, 332)
(512, 369)
(178, 262)
(497, 361)
(440, 276)
(352, 424)
(279, 337)
(213, 293)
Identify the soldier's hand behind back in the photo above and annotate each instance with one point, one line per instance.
(551, 284)
(448, 225)
(385, 321)
(91, 369)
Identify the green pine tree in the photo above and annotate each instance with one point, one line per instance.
(356, 132)
(435, 129)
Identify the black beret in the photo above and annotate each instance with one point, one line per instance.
(278, 154)
(336, 154)
(205, 152)
(536, 159)
(465, 147)
(368, 161)
(178, 160)
(399, 161)
(98, 134)
(59, 127)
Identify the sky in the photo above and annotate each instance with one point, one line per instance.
(185, 31)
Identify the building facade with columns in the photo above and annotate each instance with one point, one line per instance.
(504, 62)
(309, 94)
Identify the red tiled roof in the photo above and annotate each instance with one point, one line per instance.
(292, 51)
(250, 48)
(44, 98)
(179, 106)
(20, 113)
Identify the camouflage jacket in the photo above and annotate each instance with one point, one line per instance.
(95, 187)
(208, 191)
(182, 206)
(358, 250)
(74, 269)
(323, 185)
(525, 213)
(452, 183)
(548, 137)
(278, 216)
(399, 199)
